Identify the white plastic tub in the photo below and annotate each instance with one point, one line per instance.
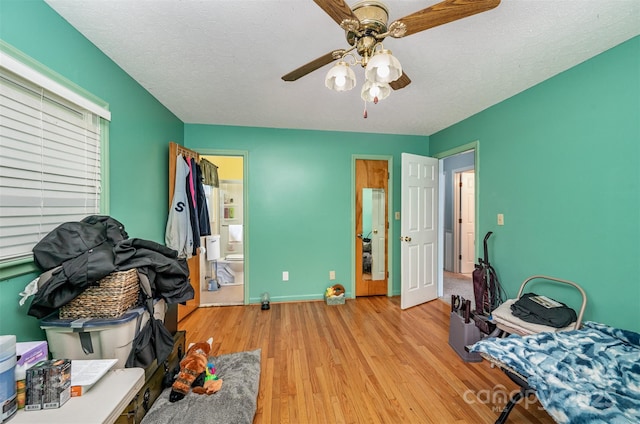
(97, 338)
(8, 405)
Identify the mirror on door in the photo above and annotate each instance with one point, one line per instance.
(373, 234)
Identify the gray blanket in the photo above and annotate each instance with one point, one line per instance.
(234, 403)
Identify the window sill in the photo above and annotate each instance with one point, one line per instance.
(16, 268)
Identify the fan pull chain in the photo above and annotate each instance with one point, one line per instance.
(364, 114)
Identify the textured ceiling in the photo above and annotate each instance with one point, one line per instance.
(220, 61)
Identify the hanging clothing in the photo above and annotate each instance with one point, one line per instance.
(209, 173)
(193, 207)
(201, 200)
(179, 235)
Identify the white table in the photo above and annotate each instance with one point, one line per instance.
(102, 404)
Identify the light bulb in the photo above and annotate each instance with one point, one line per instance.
(383, 67)
(340, 77)
(374, 91)
(383, 71)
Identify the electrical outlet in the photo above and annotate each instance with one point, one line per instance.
(332, 275)
(500, 219)
(285, 275)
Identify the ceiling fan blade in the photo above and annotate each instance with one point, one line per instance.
(401, 82)
(337, 9)
(444, 12)
(311, 66)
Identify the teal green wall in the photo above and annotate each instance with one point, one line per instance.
(140, 130)
(299, 211)
(561, 161)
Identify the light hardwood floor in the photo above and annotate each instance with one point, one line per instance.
(363, 362)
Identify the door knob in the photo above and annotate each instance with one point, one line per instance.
(375, 231)
(405, 238)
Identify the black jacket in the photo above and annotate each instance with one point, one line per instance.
(81, 253)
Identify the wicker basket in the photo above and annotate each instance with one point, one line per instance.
(109, 298)
(334, 300)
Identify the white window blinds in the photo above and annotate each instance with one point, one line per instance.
(49, 164)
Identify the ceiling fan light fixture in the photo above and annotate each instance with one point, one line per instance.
(375, 91)
(383, 67)
(340, 77)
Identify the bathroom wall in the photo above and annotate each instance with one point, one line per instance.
(231, 202)
(229, 167)
(226, 202)
(231, 216)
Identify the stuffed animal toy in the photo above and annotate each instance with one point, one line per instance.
(212, 383)
(195, 372)
(335, 290)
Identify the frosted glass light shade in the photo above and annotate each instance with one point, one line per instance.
(341, 77)
(375, 91)
(383, 67)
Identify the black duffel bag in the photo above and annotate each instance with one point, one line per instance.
(537, 309)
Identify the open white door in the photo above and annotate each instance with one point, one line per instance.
(419, 230)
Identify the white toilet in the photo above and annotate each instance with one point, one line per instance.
(234, 258)
(235, 261)
(231, 269)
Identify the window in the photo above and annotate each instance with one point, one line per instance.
(51, 164)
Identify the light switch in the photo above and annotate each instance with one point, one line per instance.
(500, 219)
(397, 216)
(285, 275)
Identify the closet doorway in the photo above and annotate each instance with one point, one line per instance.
(372, 227)
(225, 277)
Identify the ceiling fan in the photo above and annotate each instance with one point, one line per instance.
(366, 27)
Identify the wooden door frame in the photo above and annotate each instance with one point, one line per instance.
(389, 254)
(475, 146)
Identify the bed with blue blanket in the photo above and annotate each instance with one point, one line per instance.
(591, 375)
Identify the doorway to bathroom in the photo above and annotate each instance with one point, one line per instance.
(223, 263)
